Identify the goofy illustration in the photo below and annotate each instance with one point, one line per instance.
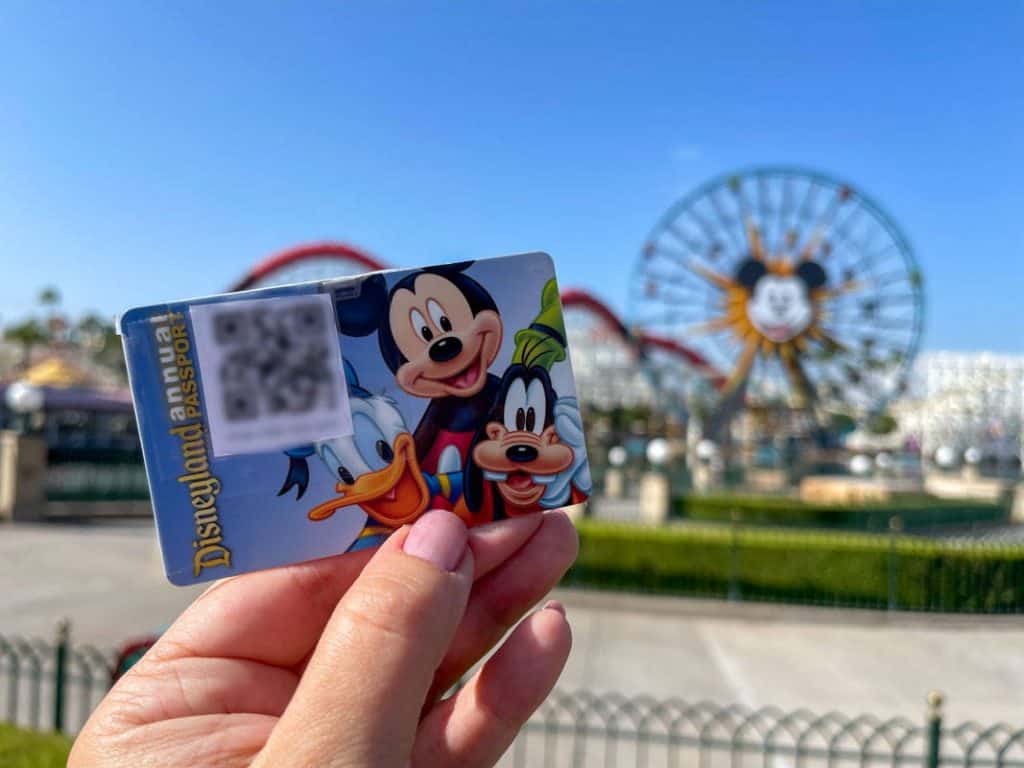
(529, 454)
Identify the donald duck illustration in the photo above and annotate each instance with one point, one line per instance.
(375, 468)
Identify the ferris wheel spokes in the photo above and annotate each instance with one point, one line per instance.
(790, 278)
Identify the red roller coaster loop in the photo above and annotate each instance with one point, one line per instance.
(571, 297)
(576, 297)
(286, 258)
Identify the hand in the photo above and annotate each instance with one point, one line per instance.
(343, 661)
(569, 428)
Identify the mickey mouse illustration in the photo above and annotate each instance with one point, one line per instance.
(780, 304)
(439, 331)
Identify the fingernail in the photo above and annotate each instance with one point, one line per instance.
(554, 605)
(438, 537)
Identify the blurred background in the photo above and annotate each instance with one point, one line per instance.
(788, 245)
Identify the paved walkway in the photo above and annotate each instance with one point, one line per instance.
(107, 579)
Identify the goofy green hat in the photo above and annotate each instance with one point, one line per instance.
(543, 342)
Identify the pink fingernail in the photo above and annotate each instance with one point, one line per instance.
(554, 605)
(438, 537)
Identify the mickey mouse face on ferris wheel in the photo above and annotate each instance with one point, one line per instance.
(781, 303)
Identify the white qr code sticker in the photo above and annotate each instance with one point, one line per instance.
(271, 373)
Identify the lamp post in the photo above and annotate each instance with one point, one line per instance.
(884, 462)
(945, 456)
(617, 456)
(860, 465)
(706, 450)
(655, 489)
(658, 451)
(709, 465)
(24, 399)
(22, 457)
(614, 478)
(972, 458)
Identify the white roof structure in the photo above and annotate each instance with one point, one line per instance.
(965, 400)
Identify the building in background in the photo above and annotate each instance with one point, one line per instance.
(83, 406)
(605, 366)
(966, 406)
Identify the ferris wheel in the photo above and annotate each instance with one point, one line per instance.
(799, 288)
(315, 261)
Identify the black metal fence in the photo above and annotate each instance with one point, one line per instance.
(584, 729)
(54, 686)
(82, 474)
(51, 685)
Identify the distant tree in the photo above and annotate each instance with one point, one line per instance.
(882, 424)
(841, 423)
(111, 354)
(99, 337)
(28, 333)
(93, 335)
(49, 297)
(90, 331)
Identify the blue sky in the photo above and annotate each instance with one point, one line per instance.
(152, 151)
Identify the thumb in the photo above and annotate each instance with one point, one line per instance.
(361, 695)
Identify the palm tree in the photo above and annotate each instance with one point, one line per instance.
(91, 331)
(106, 345)
(49, 297)
(28, 334)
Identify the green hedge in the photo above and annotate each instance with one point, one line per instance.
(29, 749)
(916, 512)
(853, 570)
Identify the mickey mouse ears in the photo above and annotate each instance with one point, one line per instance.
(360, 314)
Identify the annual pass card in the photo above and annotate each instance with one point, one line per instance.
(301, 421)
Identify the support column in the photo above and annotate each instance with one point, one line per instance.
(655, 498)
(22, 477)
(614, 483)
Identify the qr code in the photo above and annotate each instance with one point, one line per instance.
(271, 372)
(274, 361)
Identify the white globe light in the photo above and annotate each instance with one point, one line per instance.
(972, 455)
(883, 460)
(706, 450)
(945, 456)
(658, 451)
(23, 397)
(617, 456)
(860, 464)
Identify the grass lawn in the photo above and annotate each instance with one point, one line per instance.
(29, 749)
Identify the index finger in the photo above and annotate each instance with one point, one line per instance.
(359, 700)
(277, 616)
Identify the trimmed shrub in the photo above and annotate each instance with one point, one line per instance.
(30, 749)
(915, 512)
(852, 570)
